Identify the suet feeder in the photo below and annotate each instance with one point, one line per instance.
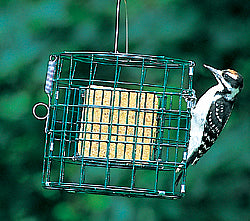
(116, 123)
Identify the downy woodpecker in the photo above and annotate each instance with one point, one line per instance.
(210, 114)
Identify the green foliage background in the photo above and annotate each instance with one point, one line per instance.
(212, 32)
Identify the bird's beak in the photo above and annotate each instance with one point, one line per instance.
(216, 73)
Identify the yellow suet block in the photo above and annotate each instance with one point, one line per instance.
(112, 119)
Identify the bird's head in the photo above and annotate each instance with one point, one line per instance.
(231, 81)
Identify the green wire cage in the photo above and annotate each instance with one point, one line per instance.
(116, 123)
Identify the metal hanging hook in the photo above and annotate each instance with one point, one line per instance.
(117, 25)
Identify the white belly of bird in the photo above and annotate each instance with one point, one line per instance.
(199, 114)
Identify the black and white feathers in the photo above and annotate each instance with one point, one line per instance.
(211, 113)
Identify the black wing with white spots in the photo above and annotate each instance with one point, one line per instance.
(217, 117)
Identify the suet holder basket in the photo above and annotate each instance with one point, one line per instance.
(116, 123)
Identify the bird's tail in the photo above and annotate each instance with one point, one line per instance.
(178, 178)
(178, 169)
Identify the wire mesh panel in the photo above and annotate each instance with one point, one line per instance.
(118, 124)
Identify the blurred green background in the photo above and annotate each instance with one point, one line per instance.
(212, 32)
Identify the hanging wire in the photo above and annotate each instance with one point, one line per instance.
(117, 25)
(126, 17)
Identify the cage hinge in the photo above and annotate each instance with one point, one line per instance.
(51, 147)
(190, 98)
(184, 156)
(183, 188)
(161, 192)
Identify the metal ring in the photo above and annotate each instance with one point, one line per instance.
(52, 57)
(34, 111)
